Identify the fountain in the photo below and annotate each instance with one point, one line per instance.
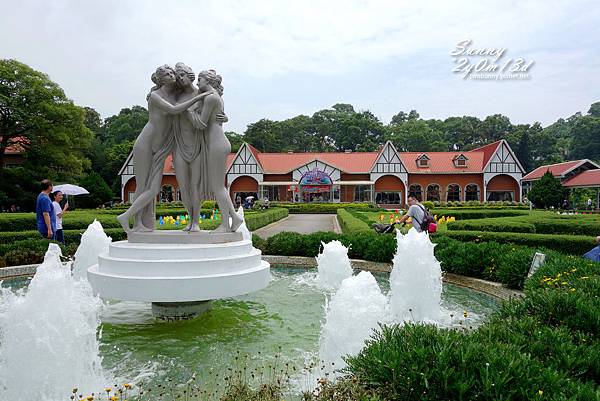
(181, 271)
(49, 335)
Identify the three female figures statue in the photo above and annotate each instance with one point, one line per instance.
(187, 122)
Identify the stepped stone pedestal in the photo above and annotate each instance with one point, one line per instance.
(179, 272)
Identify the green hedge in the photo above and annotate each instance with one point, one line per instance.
(543, 346)
(27, 247)
(349, 223)
(536, 223)
(492, 225)
(326, 208)
(260, 219)
(467, 214)
(568, 244)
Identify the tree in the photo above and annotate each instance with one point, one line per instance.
(462, 133)
(594, 110)
(36, 115)
(547, 191)
(100, 192)
(586, 138)
(126, 125)
(416, 136)
(235, 139)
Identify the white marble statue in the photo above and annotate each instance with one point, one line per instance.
(187, 122)
(152, 146)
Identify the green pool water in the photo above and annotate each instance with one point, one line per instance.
(280, 323)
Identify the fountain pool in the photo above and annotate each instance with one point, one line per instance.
(285, 319)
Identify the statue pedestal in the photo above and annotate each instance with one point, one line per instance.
(181, 274)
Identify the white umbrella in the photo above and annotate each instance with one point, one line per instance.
(249, 197)
(70, 189)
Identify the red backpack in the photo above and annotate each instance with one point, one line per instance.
(428, 224)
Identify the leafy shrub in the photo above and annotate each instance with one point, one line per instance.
(100, 192)
(209, 204)
(466, 214)
(568, 244)
(492, 225)
(327, 208)
(423, 362)
(349, 223)
(428, 205)
(260, 219)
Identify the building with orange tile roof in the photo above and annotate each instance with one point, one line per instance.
(387, 177)
(573, 174)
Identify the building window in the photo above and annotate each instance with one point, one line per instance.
(433, 192)
(500, 196)
(453, 193)
(460, 161)
(388, 198)
(271, 192)
(362, 193)
(416, 191)
(166, 193)
(472, 192)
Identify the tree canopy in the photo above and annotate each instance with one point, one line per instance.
(37, 116)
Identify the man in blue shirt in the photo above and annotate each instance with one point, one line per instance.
(44, 211)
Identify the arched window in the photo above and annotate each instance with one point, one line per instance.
(472, 192)
(433, 192)
(416, 191)
(453, 193)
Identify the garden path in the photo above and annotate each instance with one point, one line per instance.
(300, 223)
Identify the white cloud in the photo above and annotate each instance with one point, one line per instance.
(103, 53)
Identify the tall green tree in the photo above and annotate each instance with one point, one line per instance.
(586, 138)
(416, 136)
(547, 192)
(36, 115)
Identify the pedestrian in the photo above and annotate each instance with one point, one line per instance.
(44, 211)
(59, 212)
(421, 218)
(589, 203)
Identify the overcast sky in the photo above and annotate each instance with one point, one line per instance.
(279, 59)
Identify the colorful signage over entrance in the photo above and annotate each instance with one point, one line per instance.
(315, 181)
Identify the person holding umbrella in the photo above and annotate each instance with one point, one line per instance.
(57, 197)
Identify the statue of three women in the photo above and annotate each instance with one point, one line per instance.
(186, 121)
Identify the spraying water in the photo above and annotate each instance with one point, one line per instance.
(333, 265)
(48, 336)
(94, 241)
(416, 280)
(353, 312)
(358, 306)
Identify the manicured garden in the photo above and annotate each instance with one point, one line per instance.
(545, 346)
(20, 243)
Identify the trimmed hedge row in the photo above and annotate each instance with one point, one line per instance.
(260, 219)
(325, 208)
(543, 346)
(468, 214)
(567, 244)
(536, 223)
(351, 224)
(504, 263)
(27, 247)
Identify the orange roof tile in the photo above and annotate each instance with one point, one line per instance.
(586, 178)
(281, 163)
(557, 170)
(488, 151)
(443, 162)
(362, 162)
